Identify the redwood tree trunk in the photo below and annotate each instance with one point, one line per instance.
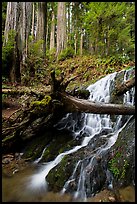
(61, 27)
(19, 19)
(42, 24)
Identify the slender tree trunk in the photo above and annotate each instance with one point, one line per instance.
(68, 23)
(52, 34)
(33, 19)
(81, 43)
(75, 43)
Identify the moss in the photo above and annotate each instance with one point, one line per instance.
(58, 176)
(44, 102)
(61, 142)
(35, 147)
(122, 161)
(114, 165)
(40, 107)
(117, 168)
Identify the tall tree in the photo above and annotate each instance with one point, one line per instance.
(61, 27)
(42, 24)
(108, 26)
(18, 19)
(52, 33)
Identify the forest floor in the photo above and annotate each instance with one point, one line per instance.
(89, 71)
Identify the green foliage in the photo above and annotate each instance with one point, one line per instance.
(51, 54)
(34, 61)
(35, 48)
(4, 8)
(110, 30)
(65, 54)
(118, 170)
(113, 165)
(4, 96)
(7, 52)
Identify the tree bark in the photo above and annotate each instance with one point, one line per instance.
(52, 34)
(33, 20)
(61, 28)
(126, 86)
(42, 24)
(73, 104)
(81, 43)
(18, 19)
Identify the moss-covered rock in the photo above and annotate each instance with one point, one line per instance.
(57, 177)
(121, 160)
(35, 146)
(60, 143)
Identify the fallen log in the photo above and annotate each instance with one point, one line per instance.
(43, 114)
(125, 86)
(73, 104)
(21, 90)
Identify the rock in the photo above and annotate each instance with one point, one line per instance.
(111, 199)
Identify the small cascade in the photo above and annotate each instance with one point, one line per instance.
(98, 133)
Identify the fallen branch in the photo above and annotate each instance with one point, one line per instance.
(125, 86)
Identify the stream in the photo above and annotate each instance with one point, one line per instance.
(97, 133)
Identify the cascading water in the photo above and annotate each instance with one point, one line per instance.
(98, 133)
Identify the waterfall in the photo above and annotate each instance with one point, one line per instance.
(98, 133)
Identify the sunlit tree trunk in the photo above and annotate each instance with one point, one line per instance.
(68, 23)
(33, 20)
(61, 27)
(52, 34)
(81, 43)
(11, 22)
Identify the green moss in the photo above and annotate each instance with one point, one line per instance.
(35, 147)
(125, 166)
(114, 165)
(44, 102)
(38, 107)
(59, 174)
(117, 167)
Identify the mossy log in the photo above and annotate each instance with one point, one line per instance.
(21, 90)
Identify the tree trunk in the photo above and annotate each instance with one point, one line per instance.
(52, 34)
(75, 43)
(42, 24)
(18, 19)
(81, 43)
(61, 28)
(33, 20)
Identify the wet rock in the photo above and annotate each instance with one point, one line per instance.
(121, 160)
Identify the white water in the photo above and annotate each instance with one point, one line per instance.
(92, 126)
